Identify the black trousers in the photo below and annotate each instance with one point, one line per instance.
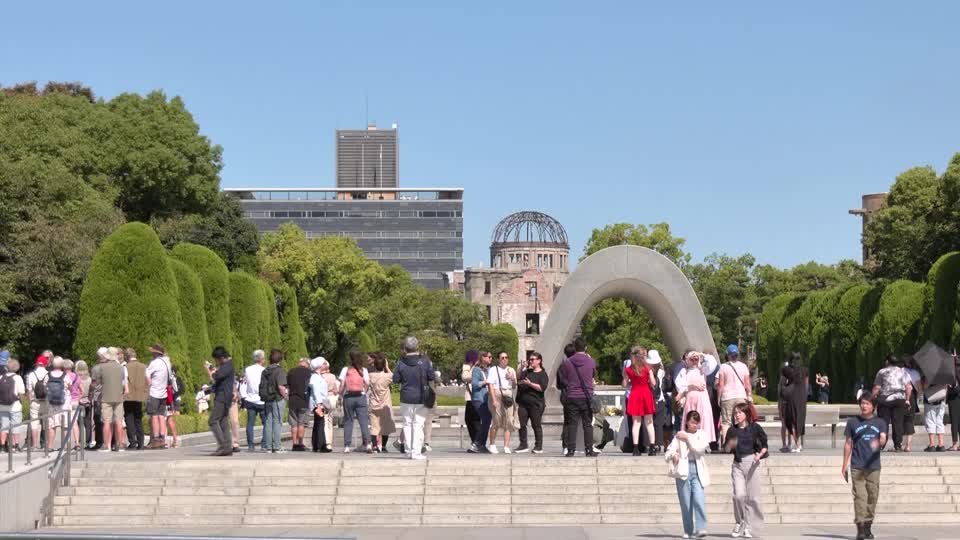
(893, 412)
(533, 411)
(219, 423)
(97, 425)
(87, 424)
(133, 415)
(578, 410)
(567, 422)
(472, 419)
(318, 439)
(954, 406)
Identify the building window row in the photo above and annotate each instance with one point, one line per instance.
(387, 234)
(413, 254)
(544, 260)
(266, 214)
(351, 195)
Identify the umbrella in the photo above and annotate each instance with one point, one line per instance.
(935, 363)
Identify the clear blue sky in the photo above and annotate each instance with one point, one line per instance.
(748, 126)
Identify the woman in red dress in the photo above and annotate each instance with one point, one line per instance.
(640, 404)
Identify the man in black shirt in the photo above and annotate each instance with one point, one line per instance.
(297, 408)
(223, 380)
(866, 435)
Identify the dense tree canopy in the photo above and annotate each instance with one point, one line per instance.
(72, 169)
(919, 222)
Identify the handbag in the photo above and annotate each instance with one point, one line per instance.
(429, 395)
(595, 405)
(506, 400)
(936, 394)
(751, 409)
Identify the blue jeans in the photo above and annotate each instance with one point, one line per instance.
(355, 407)
(486, 418)
(272, 412)
(252, 411)
(692, 506)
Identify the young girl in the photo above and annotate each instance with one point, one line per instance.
(687, 466)
(640, 405)
(748, 442)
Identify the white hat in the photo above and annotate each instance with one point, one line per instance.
(317, 362)
(653, 357)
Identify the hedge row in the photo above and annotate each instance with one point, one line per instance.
(846, 332)
(135, 294)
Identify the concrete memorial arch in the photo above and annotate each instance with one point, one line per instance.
(634, 273)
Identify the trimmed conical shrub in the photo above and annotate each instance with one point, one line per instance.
(215, 279)
(896, 326)
(129, 297)
(940, 299)
(190, 299)
(291, 331)
(271, 333)
(248, 317)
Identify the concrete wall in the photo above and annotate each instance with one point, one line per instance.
(21, 498)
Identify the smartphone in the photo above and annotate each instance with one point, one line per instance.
(846, 476)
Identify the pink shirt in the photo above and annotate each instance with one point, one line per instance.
(734, 376)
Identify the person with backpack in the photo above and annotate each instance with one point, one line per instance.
(355, 380)
(58, 399)
(578, 372)
(11, 388)
(273, 390)
(158, 377)
(37, 394)
(414, 373)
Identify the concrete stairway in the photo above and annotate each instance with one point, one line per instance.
(480, 490)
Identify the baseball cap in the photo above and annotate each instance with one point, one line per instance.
(732, 349)
(42, 360)
(4, 357)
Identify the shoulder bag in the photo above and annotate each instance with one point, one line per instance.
(752, 410)
(506, 400)
(595, 405)
(426, 391)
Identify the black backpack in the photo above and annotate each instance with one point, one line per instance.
(268, 385)
(39, 388)
(8, 389)
(56, 389)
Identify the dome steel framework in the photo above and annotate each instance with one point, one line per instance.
(529, 228)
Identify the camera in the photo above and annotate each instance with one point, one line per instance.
(207, 364)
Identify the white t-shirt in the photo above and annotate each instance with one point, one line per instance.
(33, 378)
(502, 382)
(252, 386)
(159, 377)
(914, 378)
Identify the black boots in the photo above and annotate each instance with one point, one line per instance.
(867, 533)
(861, 531)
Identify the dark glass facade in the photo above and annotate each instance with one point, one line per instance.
(417, 228)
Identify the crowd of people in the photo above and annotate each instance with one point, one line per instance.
(109, 397)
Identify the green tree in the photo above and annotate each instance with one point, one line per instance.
(723, 285)
(215, 278)
(190, 301)
(129, 297)
(159, 163)
(292, 335)
(271, 332)
(940, 300)
(223, 229)
(249, 318)
(918, 223)
(896, 326)
(334, 282)
(657, 237)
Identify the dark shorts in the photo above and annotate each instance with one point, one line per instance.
(156, 406)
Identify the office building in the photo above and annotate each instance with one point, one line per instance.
(420, 229)
(368, 158)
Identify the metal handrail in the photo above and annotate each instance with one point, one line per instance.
(29, 441)
(59, 471)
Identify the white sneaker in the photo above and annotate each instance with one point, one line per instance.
(418, 457)
(473, 449)
(426, 448)
(701, 534)
(685, 535)
(507, 450)
(736, 530)
(535, 451)
(597, 450)
(492, 448)
(347, 450)
(745, 533)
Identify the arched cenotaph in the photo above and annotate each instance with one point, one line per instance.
(634, 273)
